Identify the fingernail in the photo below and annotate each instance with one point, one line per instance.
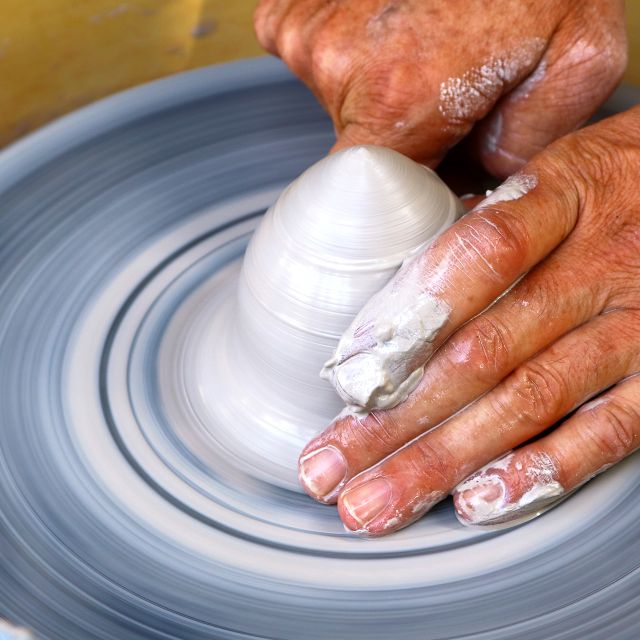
(364, 502)
(482, 502)
(322, 471)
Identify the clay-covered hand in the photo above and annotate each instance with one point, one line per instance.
(417, 75)
(551, 353)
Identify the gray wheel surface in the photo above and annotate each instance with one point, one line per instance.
(123, 515)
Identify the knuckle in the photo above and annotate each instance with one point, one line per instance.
(375, 93)
(390, 84)
(324, 56)
(428, 460)
(289, 44)
(376, 430)
(489, 353)
(609, 158)
(601, 159)
(365, 439)
(497, 241)
(605, 63)
(595, 51)
(330, 69)
(611, 430)
(537, 392)
(617, 60)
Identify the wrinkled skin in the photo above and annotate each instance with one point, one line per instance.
(544, 289)
(567, 332)
(417, 75)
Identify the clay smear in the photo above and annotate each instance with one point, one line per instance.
(379, 360)
(470, 96)
(514, 188)
(484, 498)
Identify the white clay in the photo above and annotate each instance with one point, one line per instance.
(513, 188)
(334, 238)
(463, 97)
(373, 366)
(544, 492)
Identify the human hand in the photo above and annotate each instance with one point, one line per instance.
(417, 76)
(511, 362)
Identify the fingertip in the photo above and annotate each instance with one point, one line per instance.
(322, 473)
(340, 144)
(481, 502)
(401, 139)
(352, 135)
(509, 491)
(350, 523)
(363, 506)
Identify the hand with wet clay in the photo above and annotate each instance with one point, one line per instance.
(419, 75)
(541, 287)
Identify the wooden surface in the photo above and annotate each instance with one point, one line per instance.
(633, 29)
(52, 61)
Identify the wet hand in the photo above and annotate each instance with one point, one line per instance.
(418, 76)
(541, 342)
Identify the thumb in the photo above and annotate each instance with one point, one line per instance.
(575, 76)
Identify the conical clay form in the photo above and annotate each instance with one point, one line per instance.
(335, 236)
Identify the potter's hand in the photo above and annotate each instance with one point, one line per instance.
(418, 75)
(565, 336)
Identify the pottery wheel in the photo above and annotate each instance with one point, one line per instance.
(123, 512)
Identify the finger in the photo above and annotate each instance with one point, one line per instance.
(524, 483)
(477, 357)
(539, 393)
(355, 133)
(395, 133)
(266, 22)
(579, 70)
(379, 359)
(297, 38)
(307, 35)
(392, 130)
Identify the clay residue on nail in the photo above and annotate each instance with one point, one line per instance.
(484, 504)
(415, 509)
(486, 497)
(421, 504)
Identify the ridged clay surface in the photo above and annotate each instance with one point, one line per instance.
(334, 237)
